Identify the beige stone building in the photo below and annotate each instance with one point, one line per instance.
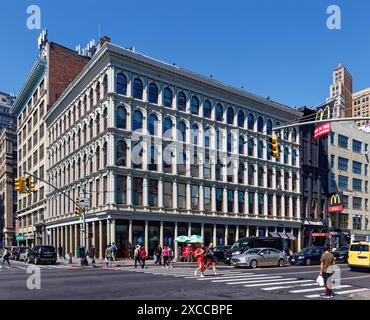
(361, 106)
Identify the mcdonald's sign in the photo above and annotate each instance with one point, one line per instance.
(323, 113)
(335, 204)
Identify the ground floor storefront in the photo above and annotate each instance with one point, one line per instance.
(101, 231)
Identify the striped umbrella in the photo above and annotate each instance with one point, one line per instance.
(196, 239)
(182, 239)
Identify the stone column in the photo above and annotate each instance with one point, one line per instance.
(226, 232)
(130, 232)
(213, 199)
(100, 239)
(202, 231)
(76, 240)
(225, 200)
(176, 231)
(256, 203)
(145, 192)
(66, 239)
(71, 239)
(129, 191)
(214, 234)
(113, 231)
(237, 233)
(236, 201)
(201, 198)
(93, 234)
(58, 241)
(160, 193)
(188, 197)
(87, 236)
(161, 233)
(146, 236)
(189, 229)
(61, 231)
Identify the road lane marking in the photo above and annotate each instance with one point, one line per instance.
(228, 278)
(288, 287)
(275, 283)
(219, 275)
(339, 292)
(255, 277)
(318, 289)
(260, 281)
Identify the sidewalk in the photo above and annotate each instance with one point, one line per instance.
(365, 295)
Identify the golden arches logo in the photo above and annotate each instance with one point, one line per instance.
(320, 113)
(335, 199)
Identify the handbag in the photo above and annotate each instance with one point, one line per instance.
(320, 281)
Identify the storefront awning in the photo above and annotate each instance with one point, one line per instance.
(282, 235)
(274, 235)
(291, 236)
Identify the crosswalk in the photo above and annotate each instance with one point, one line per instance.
(17, 266)
(287, 284)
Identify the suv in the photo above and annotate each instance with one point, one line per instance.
(40, 254)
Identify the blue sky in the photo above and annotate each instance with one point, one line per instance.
(280, 49)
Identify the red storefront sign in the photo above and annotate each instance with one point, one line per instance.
(318, 234)
(338, 208)
(322, 130)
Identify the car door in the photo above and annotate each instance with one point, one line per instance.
(275, 255)
(264, 256)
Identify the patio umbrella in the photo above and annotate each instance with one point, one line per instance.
(182, 239)
(196, 239)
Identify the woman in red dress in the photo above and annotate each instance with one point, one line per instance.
(199, 255)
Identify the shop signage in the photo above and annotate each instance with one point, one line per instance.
(323, 113)
(335, 204)
(20, 237)
(313, 223)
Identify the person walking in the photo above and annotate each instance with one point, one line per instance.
(189, 253)
(327, 261)
(6, 257)
(143, 258)
(165, 257)
(137, 255)
(170, 256)
(210, 258)
(60, 252)
(159, 253)
(92, 253)
(199, 255)
(108, 256)
(114, 251)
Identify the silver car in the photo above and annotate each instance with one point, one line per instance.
(260, 257)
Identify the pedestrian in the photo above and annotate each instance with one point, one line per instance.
(137, 255)
(143, 258)
(129, 249)
(165, 257)
(189, 253)
(170, 256)
(108, 256)
(92, 252)
(114, 251)
(6, 257)
(210, 258)
(159, 253)
(60, 252)
(199, 256)
(327, 261)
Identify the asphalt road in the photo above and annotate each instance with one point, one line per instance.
(287, 283)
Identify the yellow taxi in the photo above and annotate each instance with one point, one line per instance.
(359, 255)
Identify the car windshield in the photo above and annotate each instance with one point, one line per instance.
(359, 247)
(252, 251)
(47, 249)
(241, 246)
(305, 251)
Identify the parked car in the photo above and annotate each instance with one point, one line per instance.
(307, 256)
(220, 252)
(341, 254)
(260, 257)
(23, 254)
(359, 255)
(14, 253)
(40, 254)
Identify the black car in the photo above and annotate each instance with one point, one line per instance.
(341, 254)
(40, 254)
(220, 251)
(307, 256)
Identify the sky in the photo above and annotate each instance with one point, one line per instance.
(277, 48)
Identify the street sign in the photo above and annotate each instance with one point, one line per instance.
(20, 238)
(84, 202)
(324, 112)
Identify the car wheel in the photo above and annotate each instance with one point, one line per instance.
(281, 263)
(308, 262)
(253, 264)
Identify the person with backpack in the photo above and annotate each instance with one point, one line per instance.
(108, 256)
(143, 257)
(137, 255)
(6, 257)
(114, 251)
(170, 256)
(210, 258)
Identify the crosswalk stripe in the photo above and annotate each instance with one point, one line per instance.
(245, 275)
(247, 278)
(261, 281)
(219, 275)
(288, 287)
(318, 289)
(339, 292)
(286, 281)
(23, 268)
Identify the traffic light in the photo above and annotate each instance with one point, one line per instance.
(274, 148)
(78, 210)
(29, 185)
(19, 184)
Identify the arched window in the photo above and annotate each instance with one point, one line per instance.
(97, 120)
(269, 178)
(153, 125)
(294, 158)
(286, 181)
(218, 140)
(268, 151)
(137, 122)
(218, 170)
(286, 155)
(181, 164)
(241, 145)
(207, 109)
(294, 183)
(137, 155)
(260, 124)
(230, 116)
(260, 150)
(91, 127)
(219, 113)
(241, 117)
(121, 84)
(294, 135)
(181, 101)
(91, 100)
(194, 105)
(269, 127)
(153, 159)
(97, 158)
(105, 155)
(278, 179)
(153, 93)
(97, 92)
(181, 134)
(105, 119)
(194, 134)
(121, 118)
(167, 97)
(84, 133)
(207, 137)
(251, 175)
(250, 122)
(260, 177)
(167, 128)
(121, 153)
(229, 142)
(207, 166)
(251, 148)
(241, 173)
(84, 104)
(105, 85)
(286, 134)
(137, 89)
